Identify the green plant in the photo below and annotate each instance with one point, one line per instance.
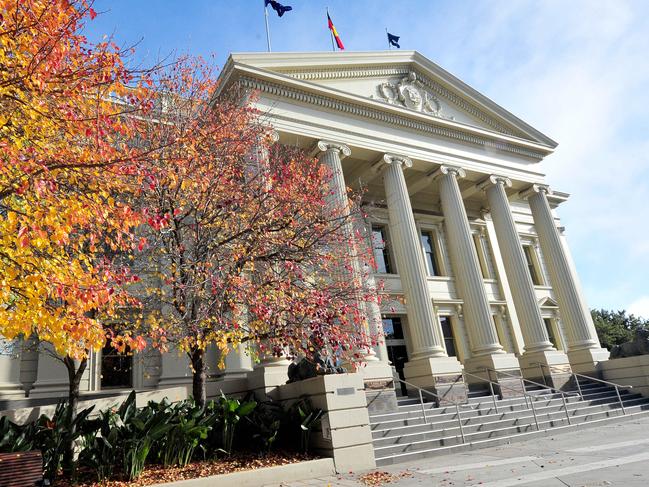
(16, 438)
(231, 411)
(306, 416)
(101, 445)
(264, 423)
(191, 425)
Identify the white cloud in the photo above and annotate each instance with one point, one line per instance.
(640, 307)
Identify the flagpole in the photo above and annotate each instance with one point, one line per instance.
(333, 46)
(267, 29)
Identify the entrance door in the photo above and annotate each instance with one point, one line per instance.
(396, 345)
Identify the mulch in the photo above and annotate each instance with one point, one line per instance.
(156, 474)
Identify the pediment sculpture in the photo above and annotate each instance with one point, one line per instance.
(409, 92)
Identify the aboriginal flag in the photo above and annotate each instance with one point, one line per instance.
(333, 30)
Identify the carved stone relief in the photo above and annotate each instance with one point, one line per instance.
(409, 92)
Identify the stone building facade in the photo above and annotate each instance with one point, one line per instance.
(475, 267)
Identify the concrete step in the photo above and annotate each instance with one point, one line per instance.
(426, 448)
(407, 434)
(391, 430)
(511, 405)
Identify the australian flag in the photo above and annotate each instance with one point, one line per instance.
(278, 7)
(394, 40)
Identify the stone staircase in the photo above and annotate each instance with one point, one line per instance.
(406, 435)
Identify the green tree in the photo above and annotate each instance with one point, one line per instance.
(616, 327)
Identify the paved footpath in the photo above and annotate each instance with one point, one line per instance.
(608, 455)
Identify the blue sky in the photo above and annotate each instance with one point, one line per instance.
(578, 71)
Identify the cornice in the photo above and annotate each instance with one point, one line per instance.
(359, 110)
(381, 72)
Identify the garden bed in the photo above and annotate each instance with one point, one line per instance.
(158, 474)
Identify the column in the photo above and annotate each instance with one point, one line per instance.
(429, 365)
(538, 348)
(485, 347)
(376, 371)
(271, 371)
(584, 349)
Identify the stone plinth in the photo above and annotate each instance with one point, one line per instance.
(344, 433)
(629, 371)
(440, 375)
(554, 371)
(504, 371)
(379, 387)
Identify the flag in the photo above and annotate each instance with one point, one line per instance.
(333, 30)
(278, 7)
(394, 40)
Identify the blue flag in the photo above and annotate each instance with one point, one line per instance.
(278, 7)
(394, 40)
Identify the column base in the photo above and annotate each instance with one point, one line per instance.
(505, 372)
(440, 375)
(379, 387)
(267, 376)
(555, 370)
(585, 361)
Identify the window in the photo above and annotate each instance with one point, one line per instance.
(550, 329)
(430, 255)
(381, 251)
(449, 338)
(532, 265)
(392, 328)
(116, 368)
(482, 255)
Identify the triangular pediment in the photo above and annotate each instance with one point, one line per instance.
(548, 302)
(402, 79)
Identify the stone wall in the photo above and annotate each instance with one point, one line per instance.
(632, 371)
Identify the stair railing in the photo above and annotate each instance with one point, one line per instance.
(492, 383)
(552, 389)
(439, 399)
(595, 379)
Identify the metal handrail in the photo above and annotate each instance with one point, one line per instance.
(492, 383)
(576, 376)
(436, 396)
(559, 391)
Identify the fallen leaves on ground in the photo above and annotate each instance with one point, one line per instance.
(157, 474)
(378, 478)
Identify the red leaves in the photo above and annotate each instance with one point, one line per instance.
(92, 13)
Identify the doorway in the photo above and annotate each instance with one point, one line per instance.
(396, 344)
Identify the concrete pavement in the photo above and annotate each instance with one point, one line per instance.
(615, 454)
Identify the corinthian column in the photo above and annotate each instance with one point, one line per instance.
(376, 371)
(486, 350)
(538, 348)
(584, 349)
(428, 360)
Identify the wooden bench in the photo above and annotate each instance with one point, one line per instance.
(22, 469)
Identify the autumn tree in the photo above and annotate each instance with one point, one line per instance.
(239, 242)
(65, 163)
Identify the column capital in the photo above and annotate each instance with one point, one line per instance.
(394, 159)
(444, 169)
(535, 189)
(327, 145)
(495, 180)
(273, 136)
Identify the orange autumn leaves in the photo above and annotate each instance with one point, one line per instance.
(63, 160)
(136, 209)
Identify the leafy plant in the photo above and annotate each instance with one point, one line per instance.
(264, 424)
(231, 410)
(306, 416)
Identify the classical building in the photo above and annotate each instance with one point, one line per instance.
(474, 261)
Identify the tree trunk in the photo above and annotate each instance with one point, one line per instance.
(75, 372)
(199, 378)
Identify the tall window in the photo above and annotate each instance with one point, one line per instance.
(551, 334)
(392, 328)
(428, 245)
(116, 368)
(449, 338)
(482, 255)
(532, 265)
(381, 251)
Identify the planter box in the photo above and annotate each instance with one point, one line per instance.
(322, 467)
